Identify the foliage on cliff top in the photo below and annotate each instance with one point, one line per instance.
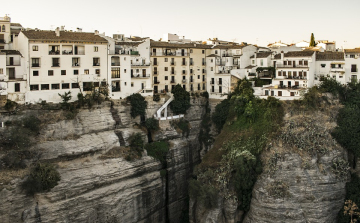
(138, 104)
(181, 102)
(158, 150)
(220, 114)
(43, 177)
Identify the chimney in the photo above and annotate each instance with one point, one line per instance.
(96, 32)
(62, 28)
(282, 55)
(79, 29)
(57, 31)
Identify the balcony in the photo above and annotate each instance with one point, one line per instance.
(56, 65)
(223, 72)
(52, 52)
(140, 75)
(167, 53)
(155, 72)
(13, 63)
(291, 66)
(155, 63)
(219, 63)
(140, 64)
(96, 64)
(172, 81)
(183, 81)
(76, 64)
(35, 65)
(115, 63)
(156, 82)
(337, 69)
(172, 63)
(115, 89)
(67, 52)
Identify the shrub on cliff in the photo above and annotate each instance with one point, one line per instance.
(152, 124)
(158, 150)
(136, 143)
(181, 101)
(352, 193)
(43, 177)
(206, 194)
(138, 104)
(221, 113)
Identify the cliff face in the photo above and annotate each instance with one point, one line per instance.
(303, 178)
(98, 187)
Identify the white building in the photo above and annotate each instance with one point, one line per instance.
(60, 61)
(352, 64)
(330, 65)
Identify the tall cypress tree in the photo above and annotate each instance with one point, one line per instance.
(312, 40)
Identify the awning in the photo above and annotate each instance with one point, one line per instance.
(337, 63)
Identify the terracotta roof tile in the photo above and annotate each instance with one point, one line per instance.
(263, 54)
(356, 50)
(299, 54)
(325, 56)
(128, 43)
(11, 52)
(64, 36)
(179, 45)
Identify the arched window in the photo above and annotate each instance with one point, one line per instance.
(3, 28)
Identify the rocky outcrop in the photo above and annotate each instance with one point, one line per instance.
(98, 188)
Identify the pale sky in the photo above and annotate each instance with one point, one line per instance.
(253, 21)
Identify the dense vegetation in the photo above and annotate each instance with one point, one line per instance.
(220, 114)
(234, 162)
(158, 150)
(43, 177)
(138, 104)
(181, 102)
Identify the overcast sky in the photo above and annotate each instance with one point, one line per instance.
(253, 21)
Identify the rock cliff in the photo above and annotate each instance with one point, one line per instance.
(97, 187)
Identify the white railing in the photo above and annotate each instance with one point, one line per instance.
(164, 106)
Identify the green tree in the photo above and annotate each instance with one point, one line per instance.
(138, 104)
(221, 113)
(181, 101)
(312, 40)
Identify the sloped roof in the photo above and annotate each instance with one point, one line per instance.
(64, 36)
(212, 55)
(128, 43)
(356, 50)
(11, 52)
(277, 56)
(299, 54)
(329, 56)
(263, 54)
(229, 46)
(178, 45)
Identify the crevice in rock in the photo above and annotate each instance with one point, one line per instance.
(121, 138)
(115, 116)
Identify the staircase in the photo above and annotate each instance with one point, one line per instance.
(164, 106)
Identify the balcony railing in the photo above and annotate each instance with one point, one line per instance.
(115, 63)
(57, 52)
(67, 52)
(140, 64)
(354, 70)
(76, 64)
(56, 65)
(291, 66)
(179, 54)
(96, 64)
(184, 80)
(35, 65)
(172, 63)
(156, 82)
(224, 72)
(80, 52)
(337, 69)
(14, 63)
(172, 81)
(140, 75)
(155, 72)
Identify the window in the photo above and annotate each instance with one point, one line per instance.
(56, 62)
(74, 85)
(3, 28)
(294, 73)
(63, 72)
(125, 71)
(261, 62)
(50, 73)
(86, 71)
(289, 73)
(284, 73)
(34, 87)
(203, 86)
(45, 87)
(212, 69)
(300, 62)
(35, 73)
(35, 48)
(203, 51)
(353, 68)
(191, 51)
(198, 76)
(115, 72)
(166, 78)
(55, 86)
(279, 73)
(203, 78)
(75, 62)
(211, 60)
(215, 51)
(97, 71)
(96, 49)
(65, 86)
(1, 71)
(352, 56)
(76, 72)
(166, 59)
(285, 62)
(96, 61)
(199, 88)
(289, 62)
(332, 65)
(132, 84)
(35, 62)
(17, 87)
(191, 71)
(323, 65)
(165, 68)
(305, 62)
(252, 61)
(304, 73)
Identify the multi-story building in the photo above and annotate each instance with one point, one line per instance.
(5, 34)
(330, 64)
(60, 61)
(178, 63)
(352, 64)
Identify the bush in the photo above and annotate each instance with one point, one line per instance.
(32, 123)
(152, 124)
(156, 97)
(15, 159)
(184, 126)
(352, 193)
(19, 138)
(181, 101)
(43, 177)
(10, 105)
(207, 195)
(158, 150)
(138, 104)
(221, 113)
(204, 94)
(136, 143)
(163, 173)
